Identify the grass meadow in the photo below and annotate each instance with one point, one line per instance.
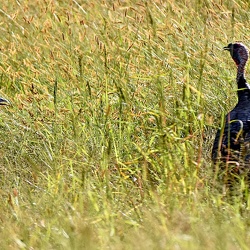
(114, 107)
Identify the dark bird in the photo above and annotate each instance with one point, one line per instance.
(232, 142)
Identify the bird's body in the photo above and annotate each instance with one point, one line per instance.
(232, 142)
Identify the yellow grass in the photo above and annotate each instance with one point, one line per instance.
(115, 105)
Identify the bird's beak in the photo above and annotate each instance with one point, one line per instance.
(226, 48)
(4, 101)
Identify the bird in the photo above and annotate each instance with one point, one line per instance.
(231, 147)
(4, 101)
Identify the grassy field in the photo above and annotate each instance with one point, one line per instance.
(115, 105)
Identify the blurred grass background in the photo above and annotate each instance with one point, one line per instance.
(115, 105)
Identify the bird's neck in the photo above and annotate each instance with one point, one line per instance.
(241, 71)
(243, 87)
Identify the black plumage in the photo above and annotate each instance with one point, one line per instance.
(232, 142)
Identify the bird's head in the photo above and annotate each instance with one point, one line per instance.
(238, 51)
(4, 101)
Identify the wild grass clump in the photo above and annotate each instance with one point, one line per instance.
(114, 109)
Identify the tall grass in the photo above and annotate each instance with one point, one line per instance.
(115, 105)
